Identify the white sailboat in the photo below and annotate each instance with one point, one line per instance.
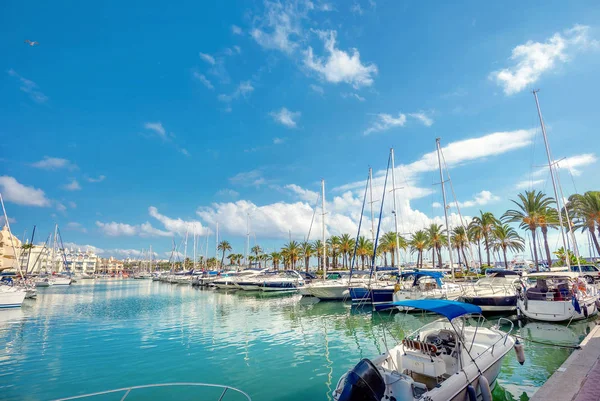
(11, 297)
(447, 360)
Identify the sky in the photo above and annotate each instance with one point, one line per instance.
(129, 125)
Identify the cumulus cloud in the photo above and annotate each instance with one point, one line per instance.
(114, 229)
(278, 141)
(54, 163)
(249, 178)
(236, 30)
(178, 225)
(533, 59)
(529, 184)
(384, 121)
(280, 27)
(303, 194)
(339, 66)
(29, 87)
(286, 117)
(318, 89)
(228, 193)
(74, 226)
(15, 192)
(244, 89)
(73, 185)
(481, 199)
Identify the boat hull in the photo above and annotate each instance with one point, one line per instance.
(329, 293)
(11, 298)
(502, 303)
(557, 311)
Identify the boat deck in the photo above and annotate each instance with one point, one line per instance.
(577, 379)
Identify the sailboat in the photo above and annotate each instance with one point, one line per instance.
(557, 296)
(449, 359)
(10, 295)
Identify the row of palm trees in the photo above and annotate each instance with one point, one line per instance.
(534, 212)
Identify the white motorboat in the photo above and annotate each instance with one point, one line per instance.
(43, 281)
(495, 293)
(287, 281)
(558, 297)
(251, 279)
(226, 281)
(329, 290)
(447, 360)
(61, 280)
(425, 285)
(11, 296)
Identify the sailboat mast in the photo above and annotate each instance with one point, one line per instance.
(372, 215)
(217, 245)
(11, 235)
(560, 220)
(206, 251)
(323, 229)
(194, 263)
(247, 250)
(185, 248)
(437, 142)
(54, 247)
(395, 212)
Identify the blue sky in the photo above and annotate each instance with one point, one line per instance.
(128, 124)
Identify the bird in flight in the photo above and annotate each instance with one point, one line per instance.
(31, 43)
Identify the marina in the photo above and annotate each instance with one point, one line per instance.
(102, 334)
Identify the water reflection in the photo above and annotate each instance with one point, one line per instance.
(114, 333)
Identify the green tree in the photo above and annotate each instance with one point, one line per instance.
(346, 247)
(257, 250)
(481, 227)
(418, 243)
(435, 241)
(506, 237)
(291, 252)
(585, 211)
(333, 244)
(460, 241)
(364, 248)
(224, 246)
(307, 250)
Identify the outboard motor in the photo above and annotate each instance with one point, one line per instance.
(362, 383)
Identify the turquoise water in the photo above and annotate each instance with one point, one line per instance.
(95, 336)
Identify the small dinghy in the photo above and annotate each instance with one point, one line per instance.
(445, 360)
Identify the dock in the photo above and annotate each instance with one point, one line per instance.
(578, 377)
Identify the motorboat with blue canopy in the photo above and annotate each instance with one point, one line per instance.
(453, 358)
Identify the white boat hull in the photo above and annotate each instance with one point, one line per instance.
(329, 292)
(557, 311)
(61, 281)
(11, 297)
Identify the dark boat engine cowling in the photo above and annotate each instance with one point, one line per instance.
(362, 383)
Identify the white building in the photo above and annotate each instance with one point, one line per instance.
(35, 260)
(7, 253)
(81, 262)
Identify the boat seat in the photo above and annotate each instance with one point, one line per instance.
(424, 347)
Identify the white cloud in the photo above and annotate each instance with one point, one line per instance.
(339, 66)
(72, 186)
(228, 193)
(54, 163)
(60, 207)
(303, 194)
(481, 199)
(178, 225)
(422, 117)
(29, 87)
(99, 179)
(533, 59)
(278, 141)
(384, 122)
(244, 89)
(157, 128)
(114, 229)
(3, 221)
(236, 30)
(201, 78)
(353, 96)
(436, 205)
(280, 27)
(573, 163)
(356, 9)
(208, 58)
(317, 88)
(72, 205)
(248, 178)
(74, 226)
(529, 184)
(286, 117)
(237, 49)
(15, 192)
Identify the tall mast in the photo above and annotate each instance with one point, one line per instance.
(395, 212)
(437, 141)
(247, 250)
(11, 236)
(194, 230)
(323, 229)
(560, 220)
(372, 215)
(206, 251)
(185, 248)
(217, 245)
(54, 247)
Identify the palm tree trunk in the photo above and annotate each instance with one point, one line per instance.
(222, 257)
(487, 249)
(479, 250)
(505, 260)
(393, 258)
(306, 263)
(535, 255)
(433, 257)
(594, 238)
(439, 252)
(548, 255)
(458, 252)
(385, 258)
(462, 248)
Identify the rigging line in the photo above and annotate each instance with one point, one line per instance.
(313, 217)
(379, 222)
(362, 210)
(457, 208)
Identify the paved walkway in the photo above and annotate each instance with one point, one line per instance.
(578, 379)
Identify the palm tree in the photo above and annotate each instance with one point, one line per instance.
(435, 241)
(346, 247)
(232, 258)
(506, 237)
(307, 251)
(548, 218)
(318, 246)
(363, 249)
(586, 212)
(481, 227)
(256, 250)
(388, 244)
(531, 207)
(224, 246)
(460, 240)
(418, 243)
(291, 251)
(275, 258)
(334, 245)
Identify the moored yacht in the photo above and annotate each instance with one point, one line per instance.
(447, 360)
(495, 293)
(558, 297)
(11, 296)
(287, 281)
(426, 285)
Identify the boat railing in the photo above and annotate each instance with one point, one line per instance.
(128, 390)
(512, 326)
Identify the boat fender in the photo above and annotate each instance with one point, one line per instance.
(585, 310)
(520, 351)
(396, 288)
(471, 393)
(484, 387)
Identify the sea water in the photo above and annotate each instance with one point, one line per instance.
(98, 335)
